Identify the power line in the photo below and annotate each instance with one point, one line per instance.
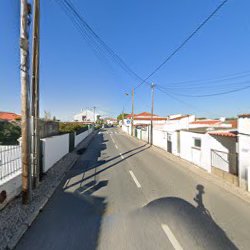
(214, 80)
(217, 93)
(208, 87)
(183, 102)
(183, 43)
(94, 38)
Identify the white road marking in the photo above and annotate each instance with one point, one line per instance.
(116, 146)
(112, 139)
(135, 179)
(171, 237)
(121, 156)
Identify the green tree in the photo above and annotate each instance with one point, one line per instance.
(9, 133)
(120, 116)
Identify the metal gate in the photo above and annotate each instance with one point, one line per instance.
(220, 159)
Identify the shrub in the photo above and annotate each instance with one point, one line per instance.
(68, 127)
(9, 133)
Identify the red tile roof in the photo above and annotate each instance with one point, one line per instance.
(179, 117)
(143, 115)
(234, 123)
(244, 116)
(149, 118)
(8, 116)
(208, 122)
(224, 133)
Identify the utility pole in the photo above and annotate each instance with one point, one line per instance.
(132, 122)
(25, 89)
(152, 113)
(35, 93)
(94, 113)
(123, 115)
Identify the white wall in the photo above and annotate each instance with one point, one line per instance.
(188, 152)
(159, 139)
(244, 155)
(12, 186)
(244, 146)
(81, 137)
(54, 148)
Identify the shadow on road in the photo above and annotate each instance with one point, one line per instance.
(192, 225)
(90, 160)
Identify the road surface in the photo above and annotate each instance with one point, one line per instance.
(121, 194)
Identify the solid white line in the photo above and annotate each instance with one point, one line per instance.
(121, 156)
(116, 146)
(135, 179)
(171, 237)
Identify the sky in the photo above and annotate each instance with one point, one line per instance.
(143, 33)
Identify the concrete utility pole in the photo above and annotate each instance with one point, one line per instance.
(25, 89)
(132, 122)
(152, 113)
(35, 93)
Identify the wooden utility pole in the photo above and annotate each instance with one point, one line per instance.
(25, 88)
(132, 122)
(35, 93)
(123, 115)
(94, 113)
(152, 113)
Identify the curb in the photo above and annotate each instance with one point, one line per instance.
(194, 169)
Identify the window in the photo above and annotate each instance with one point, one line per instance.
(197, 142)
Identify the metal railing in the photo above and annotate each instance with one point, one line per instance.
(10, 161)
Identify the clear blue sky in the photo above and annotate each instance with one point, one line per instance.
(141, 32)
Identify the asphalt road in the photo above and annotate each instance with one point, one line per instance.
(121, 194)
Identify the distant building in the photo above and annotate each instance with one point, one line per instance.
(9, 116)
(145, 118)
(220, 123)
(86, 115)
(111, 121)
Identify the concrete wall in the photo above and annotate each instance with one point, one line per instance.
(81, 137)
(11, 187)
(48, 128)
(244, 155)
(244, 146)
(159, 139)
(54, 148)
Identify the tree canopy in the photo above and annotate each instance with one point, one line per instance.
(119, 117)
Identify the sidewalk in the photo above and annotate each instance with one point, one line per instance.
(16, 218)
(190, 167)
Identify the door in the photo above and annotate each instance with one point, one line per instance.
(169, 143)
(71, 141)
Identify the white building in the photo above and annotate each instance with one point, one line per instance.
(244, 149)
(210, 148)
(86, 115)
(204, 123)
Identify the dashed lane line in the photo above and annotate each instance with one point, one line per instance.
(135, 179)
(171, 237)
